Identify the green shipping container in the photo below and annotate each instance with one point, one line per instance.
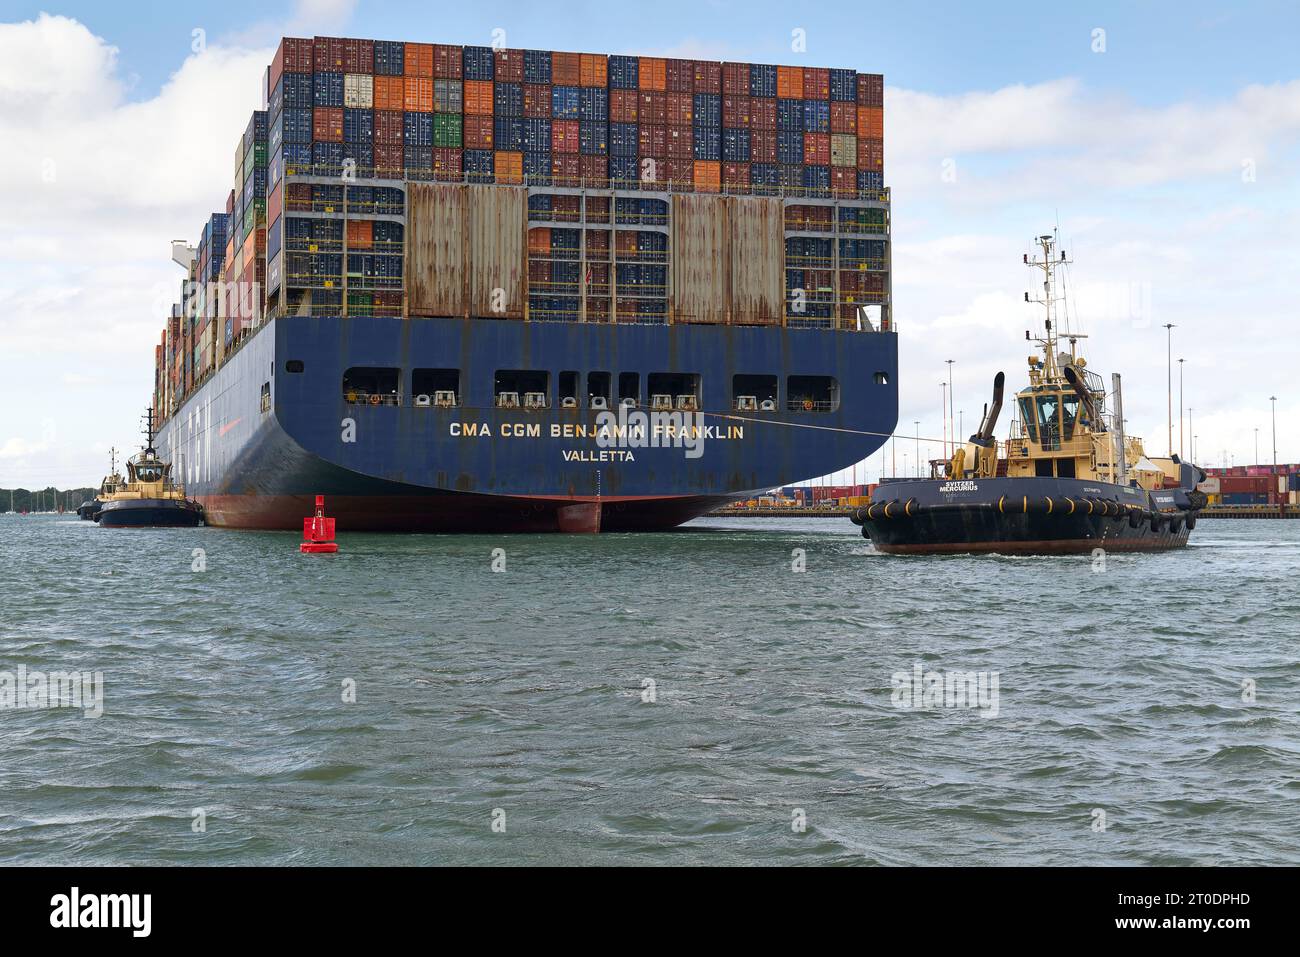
(254, 159)
(363, 301)
(447, 129)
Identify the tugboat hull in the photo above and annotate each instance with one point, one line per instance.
(150, 513)
(1025, 517)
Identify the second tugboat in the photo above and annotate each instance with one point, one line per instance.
(1068, 479)
(88, 511)
(148, 498)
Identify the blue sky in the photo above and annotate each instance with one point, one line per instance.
(1156, 52)
(1170, 160)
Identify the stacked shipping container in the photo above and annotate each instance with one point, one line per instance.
(317, 212)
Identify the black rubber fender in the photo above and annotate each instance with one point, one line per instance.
(1136, 517)
(1191, 520)
(1157, 521)
(1175, 524)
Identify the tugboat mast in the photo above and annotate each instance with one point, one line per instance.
(1048, 264)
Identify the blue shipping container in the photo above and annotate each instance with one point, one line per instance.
(417, 129)
(816, 116)
(707, 143)
(789, 147)
(508, 133)
(358, 126)
(624, 72)
(708, 110)
(537, 66)
(594, 104)
(735, 145)
(593, 138)
(327, 89)
(762, 80)
(565, 103)
(479, 63)
(537, 136)
(623, 140)
(390, 58)
(508, 99)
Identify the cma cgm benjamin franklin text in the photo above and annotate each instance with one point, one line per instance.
(437, 337)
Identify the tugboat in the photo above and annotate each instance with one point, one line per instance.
(148, 498)
(89, 511)
(1067, 480)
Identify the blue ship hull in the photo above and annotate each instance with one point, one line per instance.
(256, 441)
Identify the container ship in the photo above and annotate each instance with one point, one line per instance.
(475, 289)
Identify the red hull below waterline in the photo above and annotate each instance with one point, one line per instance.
(458, 512)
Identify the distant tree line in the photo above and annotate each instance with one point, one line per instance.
(43, 499)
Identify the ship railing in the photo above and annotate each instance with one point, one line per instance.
(809, 405)
(397, 175)
(358, 397)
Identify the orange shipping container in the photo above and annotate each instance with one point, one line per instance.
(652, 73)
(708, 176)
(508, 166)
(871, 121)
(593, 70)
(478, 97)
(789, 82)
(417, 94)
(566, 69)
(389, 92)
(360, 234)
(539, 241)
(275, 203)
(419, 59)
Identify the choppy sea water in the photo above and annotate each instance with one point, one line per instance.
(647, 699)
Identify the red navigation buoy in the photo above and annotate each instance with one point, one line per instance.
(318, 532)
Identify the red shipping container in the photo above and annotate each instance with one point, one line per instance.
(389, 93)
(275, 203)
(817, 149)
(680, 108)
(653, 107)
(388, 127)
(680, 76)
(593, 70)
(447, 164)
(844, 181)
(388, 159)
(291, 56)
(509, 66)
(871, 89)
(564, 136)
(735, 112)
(679, 173)
(623, 106)
(358, 56)
(762, 146)
(708, 76)
(418, 59)
(735, 174)
(478, 132)
(844, 117)
(566, 168)
(652, 73)
(816, 83)
(762, 113)
(537, 101)
(680, 143)
(447, 61)
(594, 169)
(735, 79)
(417, 94)
(652, 170)
(327, 54)
(327, 124)
(871, 153)
(652, 140)
(566, 69)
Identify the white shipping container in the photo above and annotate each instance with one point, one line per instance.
(358, 91)
(1210, 486)
(844, 149)
(274, 272)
